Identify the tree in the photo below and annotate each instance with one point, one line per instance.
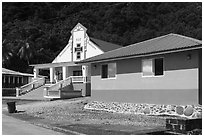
(26, 51)
(7, 52)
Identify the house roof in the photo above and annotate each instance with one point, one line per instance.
(49, 65)
(105, 46)
(166, 43)
(11, 72)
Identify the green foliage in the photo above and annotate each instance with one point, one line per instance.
(35, 32)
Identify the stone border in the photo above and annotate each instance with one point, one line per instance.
(187, 111)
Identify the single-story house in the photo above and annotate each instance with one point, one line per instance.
(12, 79)
(162, 70)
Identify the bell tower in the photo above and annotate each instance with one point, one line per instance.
(79, 43)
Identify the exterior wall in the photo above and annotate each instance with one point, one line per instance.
(65, 54)
(78, 38)
(92, 50)
(178, 85)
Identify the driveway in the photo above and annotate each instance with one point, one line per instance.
(12, 126)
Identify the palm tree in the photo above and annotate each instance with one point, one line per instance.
(7, 52)
(26, 51)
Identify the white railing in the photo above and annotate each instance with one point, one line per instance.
(37, 82)
(77, 79)
(54, 90)
(60, 84)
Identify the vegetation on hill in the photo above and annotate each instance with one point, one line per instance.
(35, 32)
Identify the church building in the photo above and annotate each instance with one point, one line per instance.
(65, 75)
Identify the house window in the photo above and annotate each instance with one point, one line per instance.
(108, 70)
(78, 55)
(104, 71)
(20, 80)
(77, 73)
(159, 67)
(153, 67)
(78, 45)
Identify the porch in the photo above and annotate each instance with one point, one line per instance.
(65, 79)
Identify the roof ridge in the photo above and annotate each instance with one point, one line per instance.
(192, 39)
(105, 41)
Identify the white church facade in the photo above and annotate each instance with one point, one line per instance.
(65, 75)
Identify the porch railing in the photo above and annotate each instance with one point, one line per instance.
(54, 90)
(37, 82)
(77, 79)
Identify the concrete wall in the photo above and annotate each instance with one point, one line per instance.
(178, 85)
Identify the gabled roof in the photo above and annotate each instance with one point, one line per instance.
(104, 46)
(11, 72)
(170, 42)
(79, 25)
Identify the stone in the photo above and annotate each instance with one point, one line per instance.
(199, 115)
(179, 110)
(188, 111)
(146, 110)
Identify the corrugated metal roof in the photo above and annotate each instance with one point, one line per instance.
(11, 72)
(164, 43)
(105, 46)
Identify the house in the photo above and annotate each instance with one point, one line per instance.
(65, 75)
(12, 79)
(162, 70)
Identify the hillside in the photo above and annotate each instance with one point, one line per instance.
(36, 32)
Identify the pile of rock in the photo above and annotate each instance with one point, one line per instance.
(189, 111)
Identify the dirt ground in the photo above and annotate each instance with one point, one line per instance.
(70, 114)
